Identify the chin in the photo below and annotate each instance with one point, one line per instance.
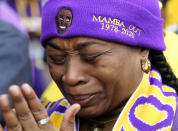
(89, 112)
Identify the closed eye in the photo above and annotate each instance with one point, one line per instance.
(92, 58)
(58, 60)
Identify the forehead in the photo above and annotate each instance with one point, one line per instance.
(77, 42)
(65, 12)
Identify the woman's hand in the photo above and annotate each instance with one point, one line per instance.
(28, 111)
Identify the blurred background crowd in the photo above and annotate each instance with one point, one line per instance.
(20, 20)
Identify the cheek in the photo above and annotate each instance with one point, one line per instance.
(108, 82)
(55, 71)
(109, 74)
(109, 70)
(113, 74)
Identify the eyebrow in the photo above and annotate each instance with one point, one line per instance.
(88, 43)
(79, 45)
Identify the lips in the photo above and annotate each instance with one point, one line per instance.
(83, 100)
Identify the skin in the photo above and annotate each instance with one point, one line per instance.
(107, 80)
(96, 74)
(28, 110)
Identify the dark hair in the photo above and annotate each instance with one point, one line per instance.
(158, 60)
(164, 2)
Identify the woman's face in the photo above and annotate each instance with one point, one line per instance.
(99, 75)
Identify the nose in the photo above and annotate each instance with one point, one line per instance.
(74, 73)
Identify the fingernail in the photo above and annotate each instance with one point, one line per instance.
(15, 90)
(26, 88)
(4, 100)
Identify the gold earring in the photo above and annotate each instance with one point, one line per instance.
(145, 65)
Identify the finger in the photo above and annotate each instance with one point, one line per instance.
(9, 116)
(22, 110)
(38, 110)
(14, 110)
(1, 128)
(69, 118)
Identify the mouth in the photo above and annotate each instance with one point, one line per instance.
(83, 100)
(62, 27)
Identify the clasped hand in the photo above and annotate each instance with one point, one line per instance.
(28, 111)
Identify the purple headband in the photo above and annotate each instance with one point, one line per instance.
(132, 22)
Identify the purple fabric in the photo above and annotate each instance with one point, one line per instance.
(9, 15)
(175, 123)
(38, 80)
(56, 106)
(12, 4)
(142, 126)
(143, 25)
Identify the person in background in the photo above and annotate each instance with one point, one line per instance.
(171, 19)
(171, 54)
(15, 64)
(107, 59)
(29, 12)
(171, 40)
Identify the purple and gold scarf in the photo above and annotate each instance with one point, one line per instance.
(151, 107)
